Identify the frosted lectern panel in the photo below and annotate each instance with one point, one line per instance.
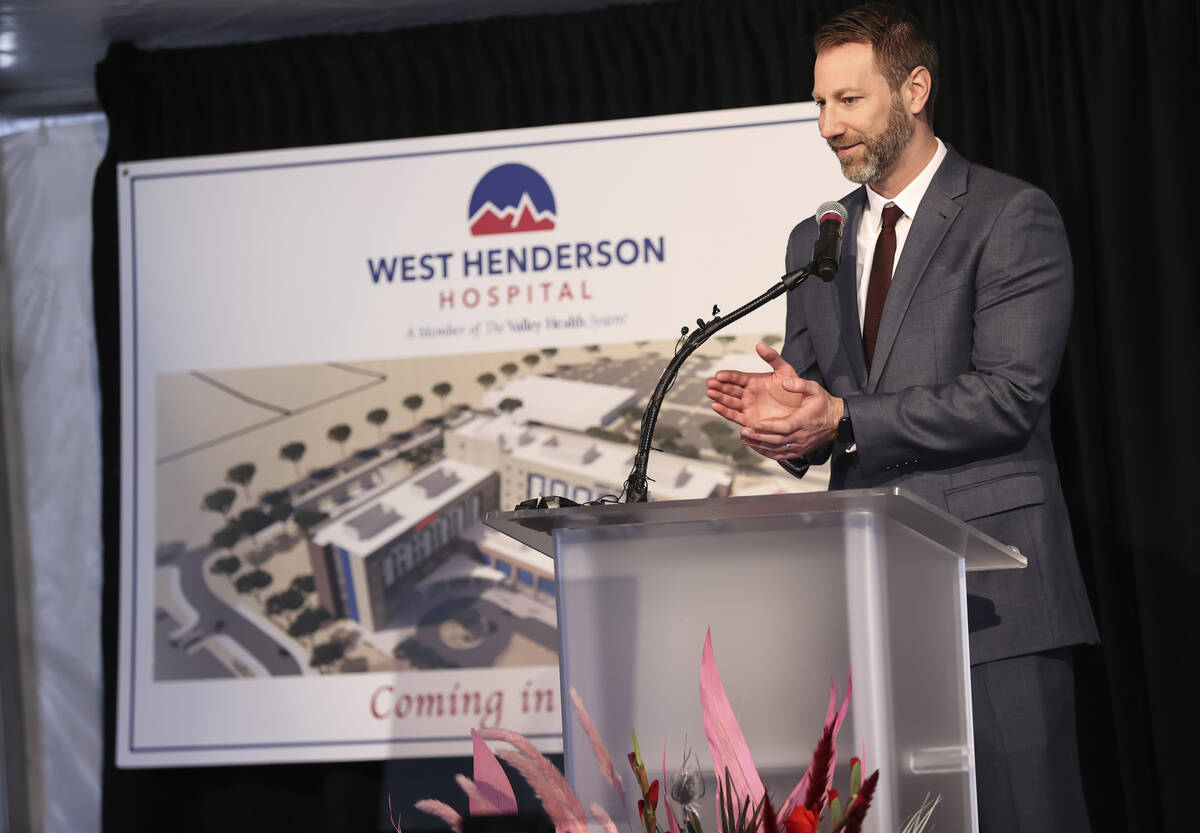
(797, 593)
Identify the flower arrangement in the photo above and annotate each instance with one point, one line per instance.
(743, 805)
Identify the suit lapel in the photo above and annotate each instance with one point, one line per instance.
(846, 288)
(934, 216)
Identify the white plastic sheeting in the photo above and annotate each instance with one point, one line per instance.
(47, 170)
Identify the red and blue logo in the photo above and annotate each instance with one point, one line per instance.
(511, 198)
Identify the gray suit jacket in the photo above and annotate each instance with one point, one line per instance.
(956, 406)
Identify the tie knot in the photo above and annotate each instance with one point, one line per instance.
(891, 214)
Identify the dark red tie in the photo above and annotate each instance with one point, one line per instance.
(881, 279)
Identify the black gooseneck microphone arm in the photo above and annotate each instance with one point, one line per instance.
(636, 490)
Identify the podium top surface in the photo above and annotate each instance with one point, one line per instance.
(536, 528)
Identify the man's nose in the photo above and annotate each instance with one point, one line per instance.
(829, 124)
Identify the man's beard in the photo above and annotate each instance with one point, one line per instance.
(881, 151)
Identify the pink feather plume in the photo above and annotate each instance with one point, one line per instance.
(542, 766)
(552, 790)
(480, 806)
(443, 811)
(546, 792)
(725, 739)
(491, 782)
(604, 818)
(598, 748)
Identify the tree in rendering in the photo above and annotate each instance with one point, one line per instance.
(280, 512)
(604, 434)
(665, 437)
(339, 434)
(725, 442)
(486, 380)
(715, 431)
(549, 352)
(241, 474)
(531, 360)
(377, 417)
(632, 414)
(509, 369)
(441, 390)
(274, 496)
(723, 439)
(424, 452)
(226, 565)
(413, 403)
(253, 521)
(326, 654)
(509, 404)
(227, 535)
(292, 452)
(220, 501)
(304, 584)
(306, 519)
(771, 339)
(283, 602)
(743, 456)
(253, 582)
(307, 622)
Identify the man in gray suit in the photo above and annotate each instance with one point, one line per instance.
(928, 364)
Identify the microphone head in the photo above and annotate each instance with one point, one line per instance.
(831, 211)
(827, 251)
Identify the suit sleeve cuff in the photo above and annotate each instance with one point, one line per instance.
(797, 467)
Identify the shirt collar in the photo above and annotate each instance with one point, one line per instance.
(909, 199)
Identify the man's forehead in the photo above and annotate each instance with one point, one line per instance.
(839, 68)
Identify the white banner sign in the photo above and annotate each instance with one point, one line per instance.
(336, 359)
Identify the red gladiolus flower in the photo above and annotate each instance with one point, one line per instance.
(802, 820)
(653, 794)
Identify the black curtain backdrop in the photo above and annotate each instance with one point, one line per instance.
(1088, 99)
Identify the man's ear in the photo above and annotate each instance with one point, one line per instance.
(917, 87)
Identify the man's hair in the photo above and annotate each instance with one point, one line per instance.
(897, 38)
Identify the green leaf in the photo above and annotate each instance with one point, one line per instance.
(752, 825)
(727, 804)
(745, 808)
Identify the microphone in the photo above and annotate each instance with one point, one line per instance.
(827, 251)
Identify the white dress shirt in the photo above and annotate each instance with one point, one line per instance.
(907, 201)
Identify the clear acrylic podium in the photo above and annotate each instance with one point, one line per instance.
(799, 590)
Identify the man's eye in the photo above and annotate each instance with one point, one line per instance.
(820, 104)
(850, 99)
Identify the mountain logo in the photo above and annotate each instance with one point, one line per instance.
(511, 198)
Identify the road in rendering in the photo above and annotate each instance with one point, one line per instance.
(216, 617)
